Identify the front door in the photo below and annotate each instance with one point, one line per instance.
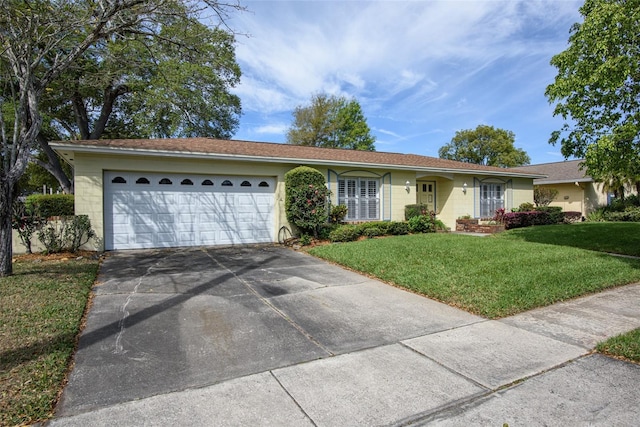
(426, 194)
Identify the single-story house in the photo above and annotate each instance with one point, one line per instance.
(149, 193)
(577, 191)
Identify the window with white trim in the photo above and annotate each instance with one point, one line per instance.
(361, 196)
(491, 199)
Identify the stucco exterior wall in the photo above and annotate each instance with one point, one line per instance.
(451, 201)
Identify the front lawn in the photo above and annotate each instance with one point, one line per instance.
(42, 306)
(492, 277)
(614, 237)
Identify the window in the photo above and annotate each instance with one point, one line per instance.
(207, 182)
(263, 184)
(119, 180)
(142, 180)
(227, 183)
(186, 181)
(245, 184)
(361, 197)
(165, 181)
(491, 199)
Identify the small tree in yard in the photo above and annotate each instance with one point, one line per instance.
(306, 199)
(543, 196)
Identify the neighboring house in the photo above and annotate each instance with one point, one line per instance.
(576, 191)
(199, 191)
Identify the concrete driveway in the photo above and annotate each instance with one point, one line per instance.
(267, 336)
(168, 320)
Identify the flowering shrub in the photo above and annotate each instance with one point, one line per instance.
(338, 213)
(306, 199)
(499, 216)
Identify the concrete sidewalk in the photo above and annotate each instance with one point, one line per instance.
(535, 368)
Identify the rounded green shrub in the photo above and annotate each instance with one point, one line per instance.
(344, 233)
(306, 199)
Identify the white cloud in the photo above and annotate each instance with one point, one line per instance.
(273, 129)
(413, 63)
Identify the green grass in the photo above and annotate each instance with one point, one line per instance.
(42, 306)
(614, 237)
(625, 346)
(492, 277)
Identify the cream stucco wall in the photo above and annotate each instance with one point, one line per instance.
(584, 197)
(451, 201)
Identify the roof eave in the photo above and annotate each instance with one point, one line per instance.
(60, 147)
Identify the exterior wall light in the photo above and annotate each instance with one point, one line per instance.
(464, 188)
(407, 186)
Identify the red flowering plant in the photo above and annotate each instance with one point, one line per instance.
(499, 216)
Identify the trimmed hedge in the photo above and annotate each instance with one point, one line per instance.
(48, 205)
(541, 216)
(351, 232)
(629, 215)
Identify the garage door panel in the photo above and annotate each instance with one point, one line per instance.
(176, 214)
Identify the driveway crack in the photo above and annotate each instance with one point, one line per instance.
(268, 303)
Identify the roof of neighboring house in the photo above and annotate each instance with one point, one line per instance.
(558, 172)
(274, 152)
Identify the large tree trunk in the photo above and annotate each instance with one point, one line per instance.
(6, 249)
(54, 167)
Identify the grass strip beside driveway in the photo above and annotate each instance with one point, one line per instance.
(624, 346)
(42, 306)
(492, 277)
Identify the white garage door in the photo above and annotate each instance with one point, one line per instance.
(144, 210)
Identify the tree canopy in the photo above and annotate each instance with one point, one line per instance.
(172, 82)
(597, 90)
(485, 145)
(331, 121)
(44, 40)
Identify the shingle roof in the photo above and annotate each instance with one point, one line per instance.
(558, 172)
(274, 151)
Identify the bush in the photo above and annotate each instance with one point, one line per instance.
(306, 199)
(411, 211)
(422, 224)
(525, 207)
(338, 213)
(372, 232)
(630, 214)
(49, 205)
(556, 216)
(344, 233)
(325, 229)
(66, 234)
(596, 216)
(305, 240)
(25, 223)
(571, 217)
(525, 219)
(397, 228)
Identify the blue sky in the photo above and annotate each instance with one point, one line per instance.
(421, 70)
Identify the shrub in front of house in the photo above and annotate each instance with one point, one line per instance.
(630, 214)
(571, 217)
(306, 199)
(344, 233)
(396, 228)
(50, 205)
(422, 224)
(411, 211)
(556, 216)
(338, 214)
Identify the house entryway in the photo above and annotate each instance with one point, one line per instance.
(426, 194)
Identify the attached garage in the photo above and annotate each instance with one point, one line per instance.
(152, 210)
